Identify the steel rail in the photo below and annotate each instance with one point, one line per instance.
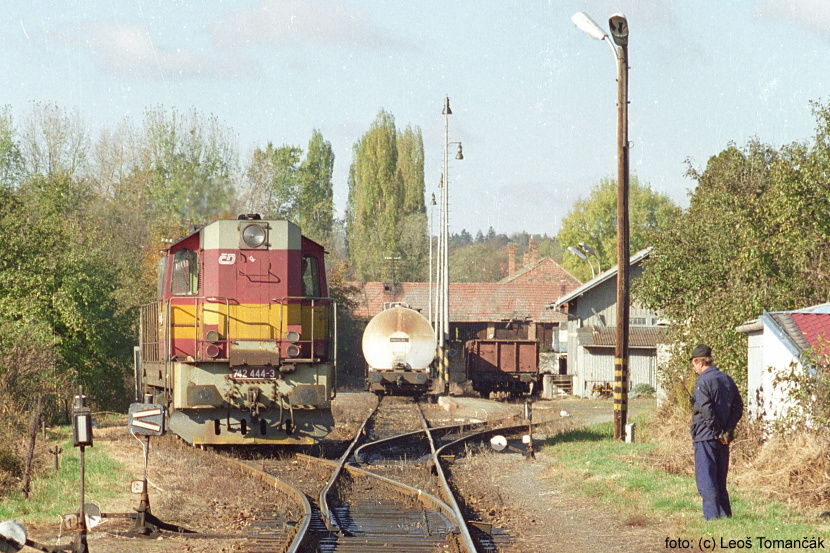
(301, 530)
(424, 497)
(325, 511)
(449, 496)
(361, 452)
(483, 434)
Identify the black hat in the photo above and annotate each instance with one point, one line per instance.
(701, 350)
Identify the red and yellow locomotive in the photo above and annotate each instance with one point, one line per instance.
(240, 344)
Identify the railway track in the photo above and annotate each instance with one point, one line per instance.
(388, 491)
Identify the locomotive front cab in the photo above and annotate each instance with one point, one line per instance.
(244, 332)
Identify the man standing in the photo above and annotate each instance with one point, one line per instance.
(717, 409)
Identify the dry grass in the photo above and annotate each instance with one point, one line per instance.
(794, 468)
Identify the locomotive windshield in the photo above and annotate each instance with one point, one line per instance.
(311, 277)
(185, 279)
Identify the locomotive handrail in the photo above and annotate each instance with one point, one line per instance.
(196, 319)
(286, 300)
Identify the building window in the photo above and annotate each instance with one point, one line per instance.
(638, 321)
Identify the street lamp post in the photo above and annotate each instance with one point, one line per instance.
(619, 34)
(442, 323)
(589, 251)
(431, 222)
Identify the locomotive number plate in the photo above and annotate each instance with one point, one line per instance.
(246, 373)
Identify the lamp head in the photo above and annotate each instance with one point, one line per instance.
(447, 110)
(577, 253)
(460, 154)
(587, 249)
(588, 26)
(619, 29)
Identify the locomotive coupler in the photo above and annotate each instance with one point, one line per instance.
(252, 401)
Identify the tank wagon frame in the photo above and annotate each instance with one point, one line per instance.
(240, 344)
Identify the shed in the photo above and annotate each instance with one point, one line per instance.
(592, 314)
(777, 342)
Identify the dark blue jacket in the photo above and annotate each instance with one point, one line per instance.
(717, 405)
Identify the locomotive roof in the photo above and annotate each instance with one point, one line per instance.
(223, 234)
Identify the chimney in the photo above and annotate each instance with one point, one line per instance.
(511, 260)
(533, 249)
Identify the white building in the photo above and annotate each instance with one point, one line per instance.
(777, 342)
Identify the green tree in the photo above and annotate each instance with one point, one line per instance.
(593, 220)
(191, 162)
(274, 178)
(755, 237)
(316, 199)
(413, 241)
(11, 158)
(386, 216)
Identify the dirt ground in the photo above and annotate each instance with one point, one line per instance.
(190, 489)
(523, 499)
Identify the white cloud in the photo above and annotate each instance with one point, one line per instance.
(128, 49)
(812, 15)
(286, 22)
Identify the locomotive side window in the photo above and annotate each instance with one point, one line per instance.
(311, 277)
(185, 279)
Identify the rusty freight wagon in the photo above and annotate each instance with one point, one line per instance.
(509, 366)
(240, 345)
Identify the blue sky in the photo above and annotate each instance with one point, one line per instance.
(533, 98)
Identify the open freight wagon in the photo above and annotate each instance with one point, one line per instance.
(510, 366)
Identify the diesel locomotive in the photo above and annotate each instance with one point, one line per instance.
(240, 346)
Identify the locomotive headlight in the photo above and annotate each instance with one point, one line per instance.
(253, 236)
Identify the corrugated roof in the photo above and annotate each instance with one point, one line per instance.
(815, 328)
(606, 336)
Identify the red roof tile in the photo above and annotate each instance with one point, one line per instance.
(816, 330)
(469, 302)
(522, 296)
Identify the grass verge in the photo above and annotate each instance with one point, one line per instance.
(589, 462)
(57, 493)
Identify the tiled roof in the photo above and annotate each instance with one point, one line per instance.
(802, 329)
(522, 296)
(469, 302)
(815, 330)
(544, 271)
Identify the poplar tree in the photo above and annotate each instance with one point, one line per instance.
(386, 215)
(315, 210)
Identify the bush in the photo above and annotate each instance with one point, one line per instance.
(643, 390)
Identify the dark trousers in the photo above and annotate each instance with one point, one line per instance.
(711, 467)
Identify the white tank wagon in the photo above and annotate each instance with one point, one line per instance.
(399, 347)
